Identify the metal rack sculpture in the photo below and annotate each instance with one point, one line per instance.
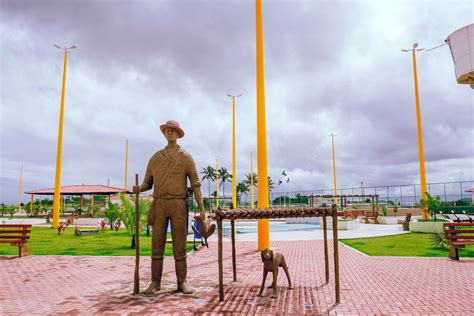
(269, 213)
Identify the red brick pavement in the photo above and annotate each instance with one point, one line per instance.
(369, 285)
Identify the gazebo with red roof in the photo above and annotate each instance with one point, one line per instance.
(79, 190)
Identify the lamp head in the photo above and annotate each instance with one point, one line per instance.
(57, 46)
(73, 46)
(415, 45)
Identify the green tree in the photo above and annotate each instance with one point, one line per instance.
(224, 176)
(126, 214)
(111, 212)
(433, 203)
(209, 175)
(241, 188)
(271, 185)
(254, 180)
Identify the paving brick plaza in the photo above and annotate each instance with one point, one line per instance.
(369, 285)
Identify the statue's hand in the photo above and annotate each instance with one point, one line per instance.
(136, 189)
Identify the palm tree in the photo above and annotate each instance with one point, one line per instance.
(224, 176)
(209, 174)
(254, 180)
(271, 185)
(242, 188)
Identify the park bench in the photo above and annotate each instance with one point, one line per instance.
(406, 222)
(83, 232)
(16, 235)
(458, 238)
(370, 215)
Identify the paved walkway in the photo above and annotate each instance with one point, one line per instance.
(369, 285)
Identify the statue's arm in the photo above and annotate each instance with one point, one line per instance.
(148, 180)
(195, 183)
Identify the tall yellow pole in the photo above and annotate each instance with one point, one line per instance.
(126, 165)
(19, 193)
(234, 172)
(334, 170)
(262, 165)
(57, 185)
(217, 183)
(251, 182)
(420, 138)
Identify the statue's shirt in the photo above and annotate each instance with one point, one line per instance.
(168, 171)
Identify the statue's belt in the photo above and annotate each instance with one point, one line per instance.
(169, 198)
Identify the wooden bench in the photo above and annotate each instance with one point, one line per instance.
(406, 222)
(458, 238)
(370, 215)
(82, 232)
(16, 235)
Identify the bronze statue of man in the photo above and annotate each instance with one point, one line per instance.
(168, 171)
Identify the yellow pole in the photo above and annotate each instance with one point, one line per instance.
(19, 193)
(217, 183)
(57, 184)
(251, 183)
(454, 193)
(420, 139)
(334, 170)
(31, 205)
(92, 204)
(234, 172)
(262, 165)
(126, 164)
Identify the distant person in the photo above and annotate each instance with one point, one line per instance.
(168, 171)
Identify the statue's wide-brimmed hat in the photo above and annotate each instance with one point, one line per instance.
(172, 124)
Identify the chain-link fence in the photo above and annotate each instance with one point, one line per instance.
(405, 195)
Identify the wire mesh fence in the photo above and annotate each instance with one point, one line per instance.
(404, 195)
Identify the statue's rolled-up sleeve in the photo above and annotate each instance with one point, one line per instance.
(148, 180)
(192, 173)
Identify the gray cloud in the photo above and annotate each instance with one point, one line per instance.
(331, 67)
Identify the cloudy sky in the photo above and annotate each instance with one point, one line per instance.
(330, 67)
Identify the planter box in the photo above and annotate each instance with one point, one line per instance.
(388, 220)
(426, 227)
(343, 224)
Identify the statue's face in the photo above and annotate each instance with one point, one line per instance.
(171, 134)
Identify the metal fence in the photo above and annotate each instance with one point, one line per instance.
(407, 195)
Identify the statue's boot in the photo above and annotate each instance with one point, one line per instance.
(181, 272)
(156, 272)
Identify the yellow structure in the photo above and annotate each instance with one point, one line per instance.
(31, 205)
(234, 172)
(251, 183)
(92, 204)
(334, 170)
(217, 183)
(57, 183)
(126, 165)
(262, 165)
(420, 131)
(19, 193)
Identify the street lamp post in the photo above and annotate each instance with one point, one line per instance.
(413, 50)
(57, 184)
(234, 176)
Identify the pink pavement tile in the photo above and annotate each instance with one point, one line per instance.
(369, 285)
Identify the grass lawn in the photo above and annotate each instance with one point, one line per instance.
(412, 244)
(46, 241)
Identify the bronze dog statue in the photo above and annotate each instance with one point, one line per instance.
(271, 263)
(205, 229)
